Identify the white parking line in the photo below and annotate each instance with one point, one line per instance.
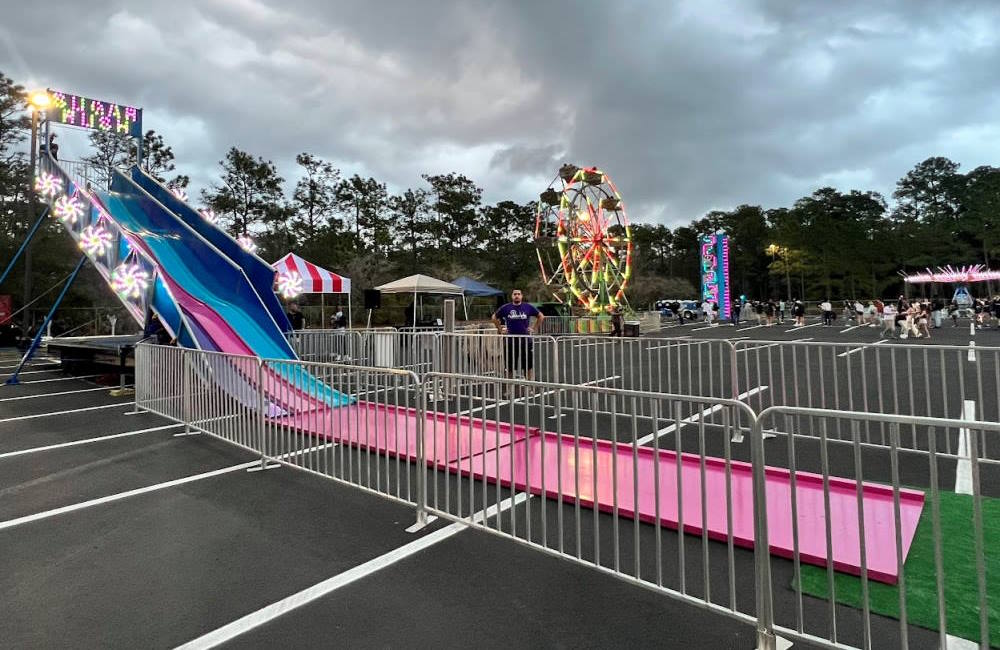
(34, 372)
(74, 443)
(694, 418)
(771, 345)
(527, 397)
(32, 364)
(43, 381)
(853, 327)
(62, 392)
(863, 347)
(963, 469)
(802, 327)
(752, 327)
(707, 327)
(274, 610)
(10, 523)
(45, 415)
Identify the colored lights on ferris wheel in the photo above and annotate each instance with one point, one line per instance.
(179, 193)
(95, 240)
(48, 184)
(290, 284)
(129, 280)
(209, 215)
(247, 243)
(68, 209)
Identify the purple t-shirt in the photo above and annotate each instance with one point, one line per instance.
(517, 318)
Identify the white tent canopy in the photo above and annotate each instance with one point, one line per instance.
(420, 284)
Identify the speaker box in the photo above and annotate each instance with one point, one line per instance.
(373, 299)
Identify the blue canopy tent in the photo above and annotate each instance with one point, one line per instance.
(474, 289)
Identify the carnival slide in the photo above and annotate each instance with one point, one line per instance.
(222, 308)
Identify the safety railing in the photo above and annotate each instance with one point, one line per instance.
(538, 463)
(159, 381)
(327, 346)
(937, 522)
(330, 419)
(922, 380)
(606, 477)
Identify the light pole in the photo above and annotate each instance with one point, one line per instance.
(775, 249)
(38, 101)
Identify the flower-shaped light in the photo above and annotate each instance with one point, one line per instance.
(209, 215)
(68, 209)
(48, 184)
(179, 193)
(95, 240)
(247, 243)
(290, 284)
(129, 280)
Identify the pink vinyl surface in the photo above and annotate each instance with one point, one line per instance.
(545, 463)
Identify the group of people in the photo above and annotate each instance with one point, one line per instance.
(767, 313)
(338, 320)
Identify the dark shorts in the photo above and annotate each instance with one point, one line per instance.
(519, 353)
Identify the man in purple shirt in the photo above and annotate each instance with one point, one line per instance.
(514, 319)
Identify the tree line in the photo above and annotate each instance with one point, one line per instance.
(831, 244)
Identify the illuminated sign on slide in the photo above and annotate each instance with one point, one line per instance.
(715, 271)
(77, 110)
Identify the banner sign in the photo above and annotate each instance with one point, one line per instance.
(715, 271)
(88, 113)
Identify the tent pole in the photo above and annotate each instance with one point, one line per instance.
(350, 317)
(465, 308)
(322, 311)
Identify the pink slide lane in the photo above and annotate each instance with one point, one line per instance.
(524, 457)
(552, 451)
(393, 430)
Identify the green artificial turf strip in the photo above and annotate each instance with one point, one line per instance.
(961, 588)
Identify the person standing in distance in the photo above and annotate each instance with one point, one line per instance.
(514, 320)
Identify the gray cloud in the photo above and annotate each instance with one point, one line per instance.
(689, 106)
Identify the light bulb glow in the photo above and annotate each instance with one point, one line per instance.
(68, 209)
(95, 240)
(48, 184)
(129, 281)
(290, 284)
(247, 243)
(179, 193)
(209, 215)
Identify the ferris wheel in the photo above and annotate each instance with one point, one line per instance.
(583, 240)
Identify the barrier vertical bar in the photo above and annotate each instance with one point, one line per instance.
(185, 393)
(422, 519)
(260, 420)
(766, 639)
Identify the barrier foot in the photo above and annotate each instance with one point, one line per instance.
(264, 466)
(423, 520)
(776, 642)
(187, 432)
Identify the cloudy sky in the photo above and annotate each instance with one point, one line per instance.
(688, 105)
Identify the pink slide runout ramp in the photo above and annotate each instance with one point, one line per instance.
(522, 456)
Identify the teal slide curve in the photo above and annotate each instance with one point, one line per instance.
(222, 309)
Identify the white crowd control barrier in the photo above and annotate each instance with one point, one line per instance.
(796, 521)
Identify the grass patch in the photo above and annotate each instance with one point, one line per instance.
(961, 587)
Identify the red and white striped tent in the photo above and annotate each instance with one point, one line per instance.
(315, 279)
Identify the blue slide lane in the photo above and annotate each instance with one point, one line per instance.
(210, 278)
(260, 274)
